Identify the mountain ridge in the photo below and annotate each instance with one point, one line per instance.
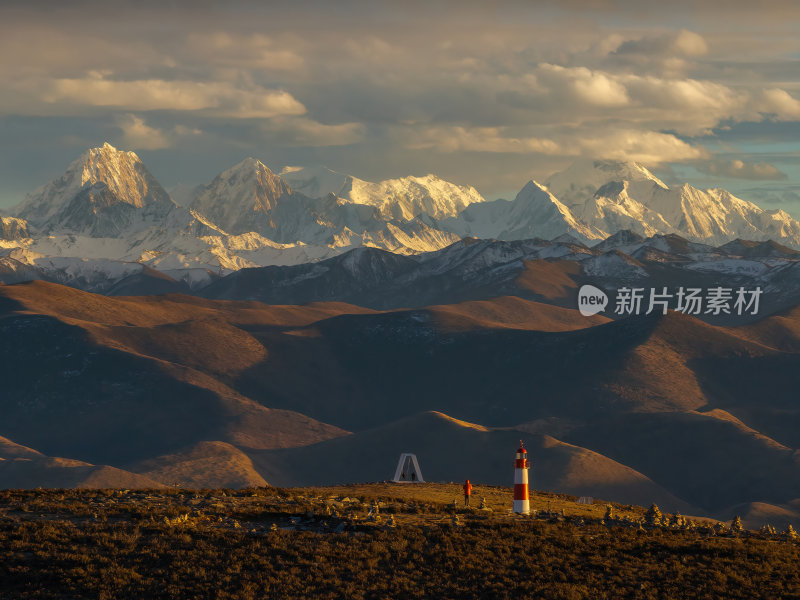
(126, 236)
(108, 206)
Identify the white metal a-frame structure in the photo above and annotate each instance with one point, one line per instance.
(408, 470)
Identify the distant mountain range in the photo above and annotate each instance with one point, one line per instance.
(543, 271)
(107, 219)
(547, 271)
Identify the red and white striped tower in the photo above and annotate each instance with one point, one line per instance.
(521, 503)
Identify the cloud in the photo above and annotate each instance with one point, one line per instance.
(217, 98)
(679, 43)
(584, 85)
(480, 139)
(220, 48)
(443, 85)
(649, 147)
(552, 93)
(785, 198)
(740, 170)
(138, 135)
(780, 103)
(301, 131)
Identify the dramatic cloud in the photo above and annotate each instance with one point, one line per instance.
(481, 139)
(681, 43)
(684, 105)
(740, 170)
(307, 132)
(648, 147)
(461, 87)
(581, 85)
(255, 51)
(138, 135)
(217, 98)
(780, 103)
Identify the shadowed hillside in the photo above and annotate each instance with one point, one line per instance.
(453, 450)
(22, 467)
(204, 392)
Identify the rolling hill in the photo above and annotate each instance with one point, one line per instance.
(180, 389)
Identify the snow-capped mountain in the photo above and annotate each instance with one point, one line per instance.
(584, 177)
(104, 193)
(250, 198)
(410, 197)
(108, 207)
(13, 229)
(315, 182)
(535, 212)
(613, 195)
(400, 199)
(240, 199)
(611, 208)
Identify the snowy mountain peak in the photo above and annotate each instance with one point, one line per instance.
(101, 177)
(584, 177)
(239, 197)
(249, 163)
(252, 179)
(248, 167)
(122, 172)
(626, 170)
(404, 198)
(780, 213)
(533, 188)
(315, 182)
(536, 199)
(408, 197)
(12, 228)
(534, 212)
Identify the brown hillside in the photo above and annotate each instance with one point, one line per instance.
(120, 379)
(204, 465)
(453, 450)
(756, 514)
(22, 467)
(705, 413)
(511, 312)
(551, 280)
(40, 297)
(780, 331)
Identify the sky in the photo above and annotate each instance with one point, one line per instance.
(489, 96)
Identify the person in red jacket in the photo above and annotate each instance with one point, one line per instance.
(467, 492)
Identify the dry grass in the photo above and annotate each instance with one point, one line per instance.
(222, 544)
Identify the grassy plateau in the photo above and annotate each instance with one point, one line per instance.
(374, 541)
